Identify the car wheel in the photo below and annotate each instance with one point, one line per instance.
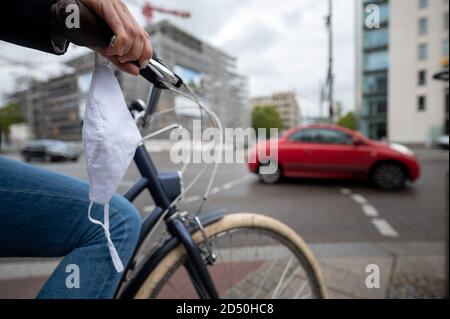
(272, 178)
(389, 176)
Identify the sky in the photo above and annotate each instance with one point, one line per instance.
(280, 45)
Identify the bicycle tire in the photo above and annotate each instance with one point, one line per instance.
(176, 258)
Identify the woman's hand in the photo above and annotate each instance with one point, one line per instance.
(132, 42)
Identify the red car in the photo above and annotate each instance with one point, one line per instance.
(332, 152)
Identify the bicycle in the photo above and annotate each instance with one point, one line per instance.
(266, 260)
(203, 245)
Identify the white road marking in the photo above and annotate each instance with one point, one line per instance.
(361, 200)
(149, 209)
(227, 186)
(127, 183)
(384, 228)
(196, 198)
(19, 270)
(191, 199)
(215, 190)
(370, 211)
(382, 225)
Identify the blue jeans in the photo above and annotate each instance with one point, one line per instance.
(44, 214)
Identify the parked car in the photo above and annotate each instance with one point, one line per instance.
(443, 142)
(49, 151)
(332, 152)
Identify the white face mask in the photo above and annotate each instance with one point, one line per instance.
(110, 138)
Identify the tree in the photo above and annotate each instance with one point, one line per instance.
(9, 115)
(266, 117)
(348, 121)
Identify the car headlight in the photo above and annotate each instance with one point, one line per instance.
(402, 149)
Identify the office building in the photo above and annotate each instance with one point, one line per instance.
(401, 44)
(286, 105)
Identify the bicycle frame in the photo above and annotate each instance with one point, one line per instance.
(195, 264)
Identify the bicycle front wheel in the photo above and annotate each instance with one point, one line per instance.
(257, 258)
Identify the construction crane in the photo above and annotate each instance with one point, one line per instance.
(148, 10)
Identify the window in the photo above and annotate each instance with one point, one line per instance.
(376, 38)
(422, 77)
(423, 4)
(422, 103)
(375, 106)
(374, 61)
(423, 52)
(375, 83)
(423, 26)
(323, 136)
(378, 130)
(381, 130)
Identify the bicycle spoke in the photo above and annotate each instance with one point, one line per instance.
(280, 282)
(289, 281)
(231, 280)
(301, 290)
(176, 291)
(265, 279)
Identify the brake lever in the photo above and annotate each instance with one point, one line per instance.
(158, 73)
(152, 75)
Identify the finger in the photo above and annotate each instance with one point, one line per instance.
(129, 26)
(112, 18)
(147, 52)
(135, 53)
(126, 67)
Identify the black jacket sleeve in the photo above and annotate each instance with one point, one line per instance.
(28, 23)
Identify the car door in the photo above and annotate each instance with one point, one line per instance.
(292, 153)
(331, 153)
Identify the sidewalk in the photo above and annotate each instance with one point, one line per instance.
(414, 270)
(407, 270)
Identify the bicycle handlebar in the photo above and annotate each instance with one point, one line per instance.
(95, 33)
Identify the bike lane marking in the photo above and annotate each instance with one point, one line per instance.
(381, 225)
(370, 211)
(214, 191)
(384, 228)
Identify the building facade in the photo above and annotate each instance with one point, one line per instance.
(52, 108)
(55, 107)
(397, 56)
(286, 105)
(208, 70)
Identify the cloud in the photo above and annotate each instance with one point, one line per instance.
(254, 39)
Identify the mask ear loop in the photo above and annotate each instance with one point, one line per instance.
(112, 249)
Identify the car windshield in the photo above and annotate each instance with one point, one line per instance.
(50, 144)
